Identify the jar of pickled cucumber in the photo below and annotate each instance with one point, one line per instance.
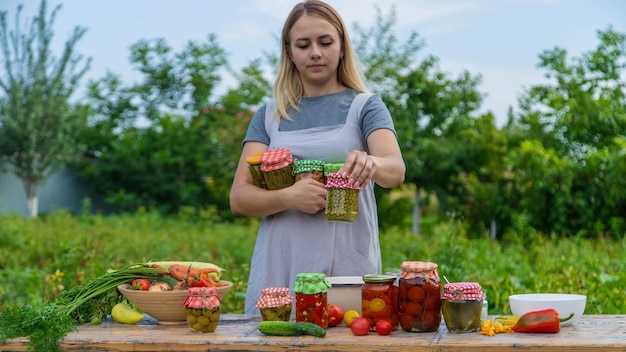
(461, 305)
(254, 165)
(419, 297)
(311, 290)
(202, 309)
(342, 199)
(278, 166)
(309, 169)
(275, 303)
(379, 299)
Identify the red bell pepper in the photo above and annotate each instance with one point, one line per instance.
(540, 321)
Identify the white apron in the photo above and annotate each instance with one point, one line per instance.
(292, 242)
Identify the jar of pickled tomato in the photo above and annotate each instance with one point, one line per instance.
(379, 299)
(311, 291)
(419, 297)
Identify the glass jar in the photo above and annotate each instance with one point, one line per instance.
(379, 299)
(485, 312)
(277, 166)
(309, 169)
(332, 168)
(342, 199)
(275, 303)
(202, 309)
(419, 297)
(311, 290)
(461, 305)
(254, 165)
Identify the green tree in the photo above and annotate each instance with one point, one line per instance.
(169, 142)
(39, 127)
(568, 145)
(434, 114)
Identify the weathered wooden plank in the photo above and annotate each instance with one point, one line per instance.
(239, 333)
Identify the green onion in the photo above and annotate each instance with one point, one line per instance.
(47, 323)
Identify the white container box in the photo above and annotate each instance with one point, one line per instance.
(345, 292)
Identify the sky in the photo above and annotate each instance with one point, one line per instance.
(499, 40)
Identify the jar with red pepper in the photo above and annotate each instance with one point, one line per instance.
(379, 299)
(311, 291)
(419, 297)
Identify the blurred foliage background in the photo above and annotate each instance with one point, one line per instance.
(43, 256)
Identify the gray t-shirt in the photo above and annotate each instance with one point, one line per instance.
(325, 110)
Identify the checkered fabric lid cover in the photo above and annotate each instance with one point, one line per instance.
(276, 159)
(274, 297)
(311, 283)
(338, 181)
(202, 297)
(467, 291)
(411, 270)
(306, 165)
(331, 168)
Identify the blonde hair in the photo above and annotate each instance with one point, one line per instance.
(288, 87)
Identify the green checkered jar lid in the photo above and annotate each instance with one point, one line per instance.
(308, 166)
(331, 168)
(311, 283)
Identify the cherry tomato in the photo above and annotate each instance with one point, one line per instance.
(349, 316)
(360, 326)
(140, 284)
(377, 304)
(383, 327)
(335, 315)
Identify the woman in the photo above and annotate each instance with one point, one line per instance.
(318, 80)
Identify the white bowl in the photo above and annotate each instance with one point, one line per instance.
(345, 292)
(563, 303)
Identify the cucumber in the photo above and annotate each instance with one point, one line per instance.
(286, 328)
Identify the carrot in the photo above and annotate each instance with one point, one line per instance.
(182, 272)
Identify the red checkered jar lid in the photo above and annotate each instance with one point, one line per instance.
(411, 270)
(462, 291)
(274, 297)
(338, 181)
(276, 159)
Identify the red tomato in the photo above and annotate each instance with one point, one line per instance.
(335, 315)
(383, 327)
(360, 326)
(140, 284)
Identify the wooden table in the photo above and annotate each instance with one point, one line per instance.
(239, 333)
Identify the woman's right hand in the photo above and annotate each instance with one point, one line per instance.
(308, 196)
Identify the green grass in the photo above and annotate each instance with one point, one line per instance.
(40, 257)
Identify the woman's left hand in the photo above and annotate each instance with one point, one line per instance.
(383, 164)
(359, 167)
